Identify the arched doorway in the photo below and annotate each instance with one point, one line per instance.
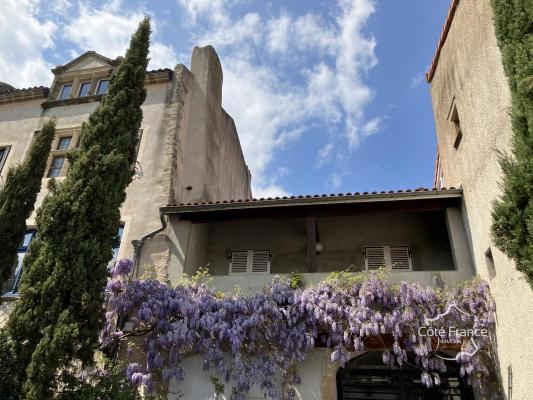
(366, 378)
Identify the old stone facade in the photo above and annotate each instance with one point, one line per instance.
(188, 151)
(471, 103)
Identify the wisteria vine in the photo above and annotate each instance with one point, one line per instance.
(256, 339)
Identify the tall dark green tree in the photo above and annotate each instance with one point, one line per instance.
(513, 213)
(60, 312)
(18, 197)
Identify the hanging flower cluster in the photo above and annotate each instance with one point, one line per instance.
(253, 340)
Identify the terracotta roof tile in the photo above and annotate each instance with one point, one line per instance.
(444, 34)
(309, 196)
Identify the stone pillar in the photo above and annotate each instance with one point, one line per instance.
(206, 68)
(458, 240)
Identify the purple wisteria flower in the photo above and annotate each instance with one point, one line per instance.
(256, 339)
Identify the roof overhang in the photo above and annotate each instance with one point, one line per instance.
(444, 34)
(319, 205)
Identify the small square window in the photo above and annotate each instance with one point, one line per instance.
(4, 151)
(64, 143)
(454, 118)
(84, 89)
(56, 166)
(103, 85)
(65, 91)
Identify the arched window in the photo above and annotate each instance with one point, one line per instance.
(367, 378)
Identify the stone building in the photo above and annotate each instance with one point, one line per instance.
(188, 150)
(190, 204)
(471, 104)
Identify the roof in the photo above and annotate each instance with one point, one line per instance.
(414, 199)
(444, 34)
(10, 94)
(4, 86)
(36, 92)
(61, 68)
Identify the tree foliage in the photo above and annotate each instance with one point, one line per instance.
(9, 384)
(513, 213)
(18, 196)
(60, 313)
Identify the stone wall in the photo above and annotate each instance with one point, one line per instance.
(470, 76)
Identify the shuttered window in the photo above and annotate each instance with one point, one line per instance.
(250, 262)
(397, 258)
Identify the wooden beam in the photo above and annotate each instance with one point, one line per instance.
(311, 243)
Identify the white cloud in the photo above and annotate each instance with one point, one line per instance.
(266, 104)
(162, 56)
(107, 30)
(23, 38)
(418, 80)
(270, 191)
(325, 154)
(334, 181)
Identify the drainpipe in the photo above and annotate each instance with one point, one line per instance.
(137, 244)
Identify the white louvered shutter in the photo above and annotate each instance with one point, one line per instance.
(400, 258)
(260, 262)
(374, 257)
(250, 262)
(397, 258)
(239, 262)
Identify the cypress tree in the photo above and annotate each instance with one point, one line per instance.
(60, 312)
(18, 196)
(512, 214)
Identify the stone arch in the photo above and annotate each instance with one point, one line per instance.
(366, 377)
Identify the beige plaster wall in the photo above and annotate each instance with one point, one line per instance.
(343, 239)
(470, 70)
(210, 158)
(18, 122)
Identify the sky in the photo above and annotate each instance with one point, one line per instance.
(328, 96)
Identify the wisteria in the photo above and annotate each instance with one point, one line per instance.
(261, 338)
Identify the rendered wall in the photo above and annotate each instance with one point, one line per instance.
(343, 239)
(470, 69)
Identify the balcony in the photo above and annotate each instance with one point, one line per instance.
(424, 232)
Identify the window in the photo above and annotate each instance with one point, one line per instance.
(65, 91)
(56, 166)
(64, 143)
(84, 89)
(116, 245)
(103, 85)
(65, 140)
(454, 118)
(4, 151)
(12, 284)
(397, 258)
(491, 267)
(250, 262)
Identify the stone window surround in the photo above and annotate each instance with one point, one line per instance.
(76, 78)
(3, 160)
(54, 152)
(455, 123)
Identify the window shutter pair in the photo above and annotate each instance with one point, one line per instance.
(250, 262)
(397, 258)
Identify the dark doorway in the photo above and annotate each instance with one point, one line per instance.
(366, 378)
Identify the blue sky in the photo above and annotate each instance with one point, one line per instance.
(327, 96)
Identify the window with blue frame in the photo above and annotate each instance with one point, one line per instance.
(11, 286)
(116, 244)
